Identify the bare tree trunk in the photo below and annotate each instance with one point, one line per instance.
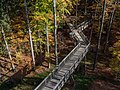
(85, 65)
(30, 35)
(35, 48)
(7, 47)
(55, 32)
(85, 7)
(48, 50)
(39, 43)
(76, 13)
(100, 34)
(96, 10)
(91, 33)
(109, 29)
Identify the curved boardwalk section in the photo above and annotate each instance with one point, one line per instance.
(58, 77)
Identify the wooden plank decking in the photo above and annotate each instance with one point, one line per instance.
(56, 79)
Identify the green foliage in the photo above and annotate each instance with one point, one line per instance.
(12, 18)
(82, 82)
(42, 16)
(115, 62)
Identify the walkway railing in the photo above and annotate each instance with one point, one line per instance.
(57, 78)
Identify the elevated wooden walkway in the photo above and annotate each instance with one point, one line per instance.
(58, 77)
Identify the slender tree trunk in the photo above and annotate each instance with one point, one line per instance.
(96, 10)
(91, 31)
(35, 48)
(39, 43)
(30, 35)
(48, 50)
(100, 34)
(7, 47)
(85, 65)
(55, 32)
(109, 29)
(85, 7)
(76, 13)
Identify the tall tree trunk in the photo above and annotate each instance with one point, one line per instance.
(30, 35)
(55, 32)
(91, 32)
(110, 25)
(39, 42)
(100, 34)
(85, 58)
(85, 7)
(7, 47)
(76, 13)
(35, 48)
(48, 50)
(96, 10)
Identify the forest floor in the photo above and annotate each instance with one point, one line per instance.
(100, 79)
(34, 77)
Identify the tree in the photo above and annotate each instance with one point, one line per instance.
(100, 33)
(115, 61)
(55, 32)
(28, 26)
(85, 7)
(47, 44)
(7, 47)
(110, 25)
(5, 24)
